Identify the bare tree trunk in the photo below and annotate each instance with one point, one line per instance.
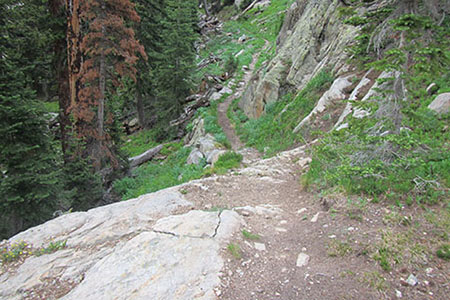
(101, 100)
(73, 48)
(205, 4)
(140, 107)
(62, 74)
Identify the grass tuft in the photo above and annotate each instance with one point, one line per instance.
(250, 236)
(235, 250)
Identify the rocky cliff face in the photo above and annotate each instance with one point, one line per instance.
(312, 38)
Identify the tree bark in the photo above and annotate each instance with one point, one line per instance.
(73, 48)
(140, 107)
(57, 7)
(101, 100)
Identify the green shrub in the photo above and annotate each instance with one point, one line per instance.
(444, 252)
(225, 162)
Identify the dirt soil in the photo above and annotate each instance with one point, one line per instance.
(338, 236)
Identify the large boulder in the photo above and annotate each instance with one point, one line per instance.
(214, 156)
(198, 130)
(206, 144)
(195, 157)
(441, 105)
(336, 92)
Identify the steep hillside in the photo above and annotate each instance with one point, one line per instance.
(315, 166)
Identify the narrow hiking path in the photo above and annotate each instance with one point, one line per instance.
(305, 245)
(249, 154)
(298, 244)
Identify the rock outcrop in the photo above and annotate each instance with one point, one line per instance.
(204, 144)
(316, 27)
(129, 250)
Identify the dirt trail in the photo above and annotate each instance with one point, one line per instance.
(223, 120)
(305, 246)
(331, 234)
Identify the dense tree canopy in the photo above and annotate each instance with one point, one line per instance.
(101, 60)
(28, 162)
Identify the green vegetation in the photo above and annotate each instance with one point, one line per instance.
(52, 107)
(272, 132)
(14, 252)
(444, 252)
(21, 250)
(396, 248)
(410, 162)
(29, 168)
(52, 247)
(375, 280)
(140, 142)
(250, 236)
(235, 250)
(154, 176)
(338, 248)
(229, 160)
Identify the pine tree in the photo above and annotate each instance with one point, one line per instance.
(29, 183)
(149, 33)
(110, 50)
(174, 79)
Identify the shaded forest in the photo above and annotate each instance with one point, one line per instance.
(102, 62)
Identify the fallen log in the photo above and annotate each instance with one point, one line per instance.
(246, 10)
(189, 110)
(144, 157)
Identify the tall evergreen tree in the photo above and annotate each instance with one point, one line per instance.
(110, 53)
(29, 183)
(178, 54)
(149, 33)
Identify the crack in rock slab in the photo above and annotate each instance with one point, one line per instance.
(154, 266)
(181, 262)
(196, 224)
(106, 223)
